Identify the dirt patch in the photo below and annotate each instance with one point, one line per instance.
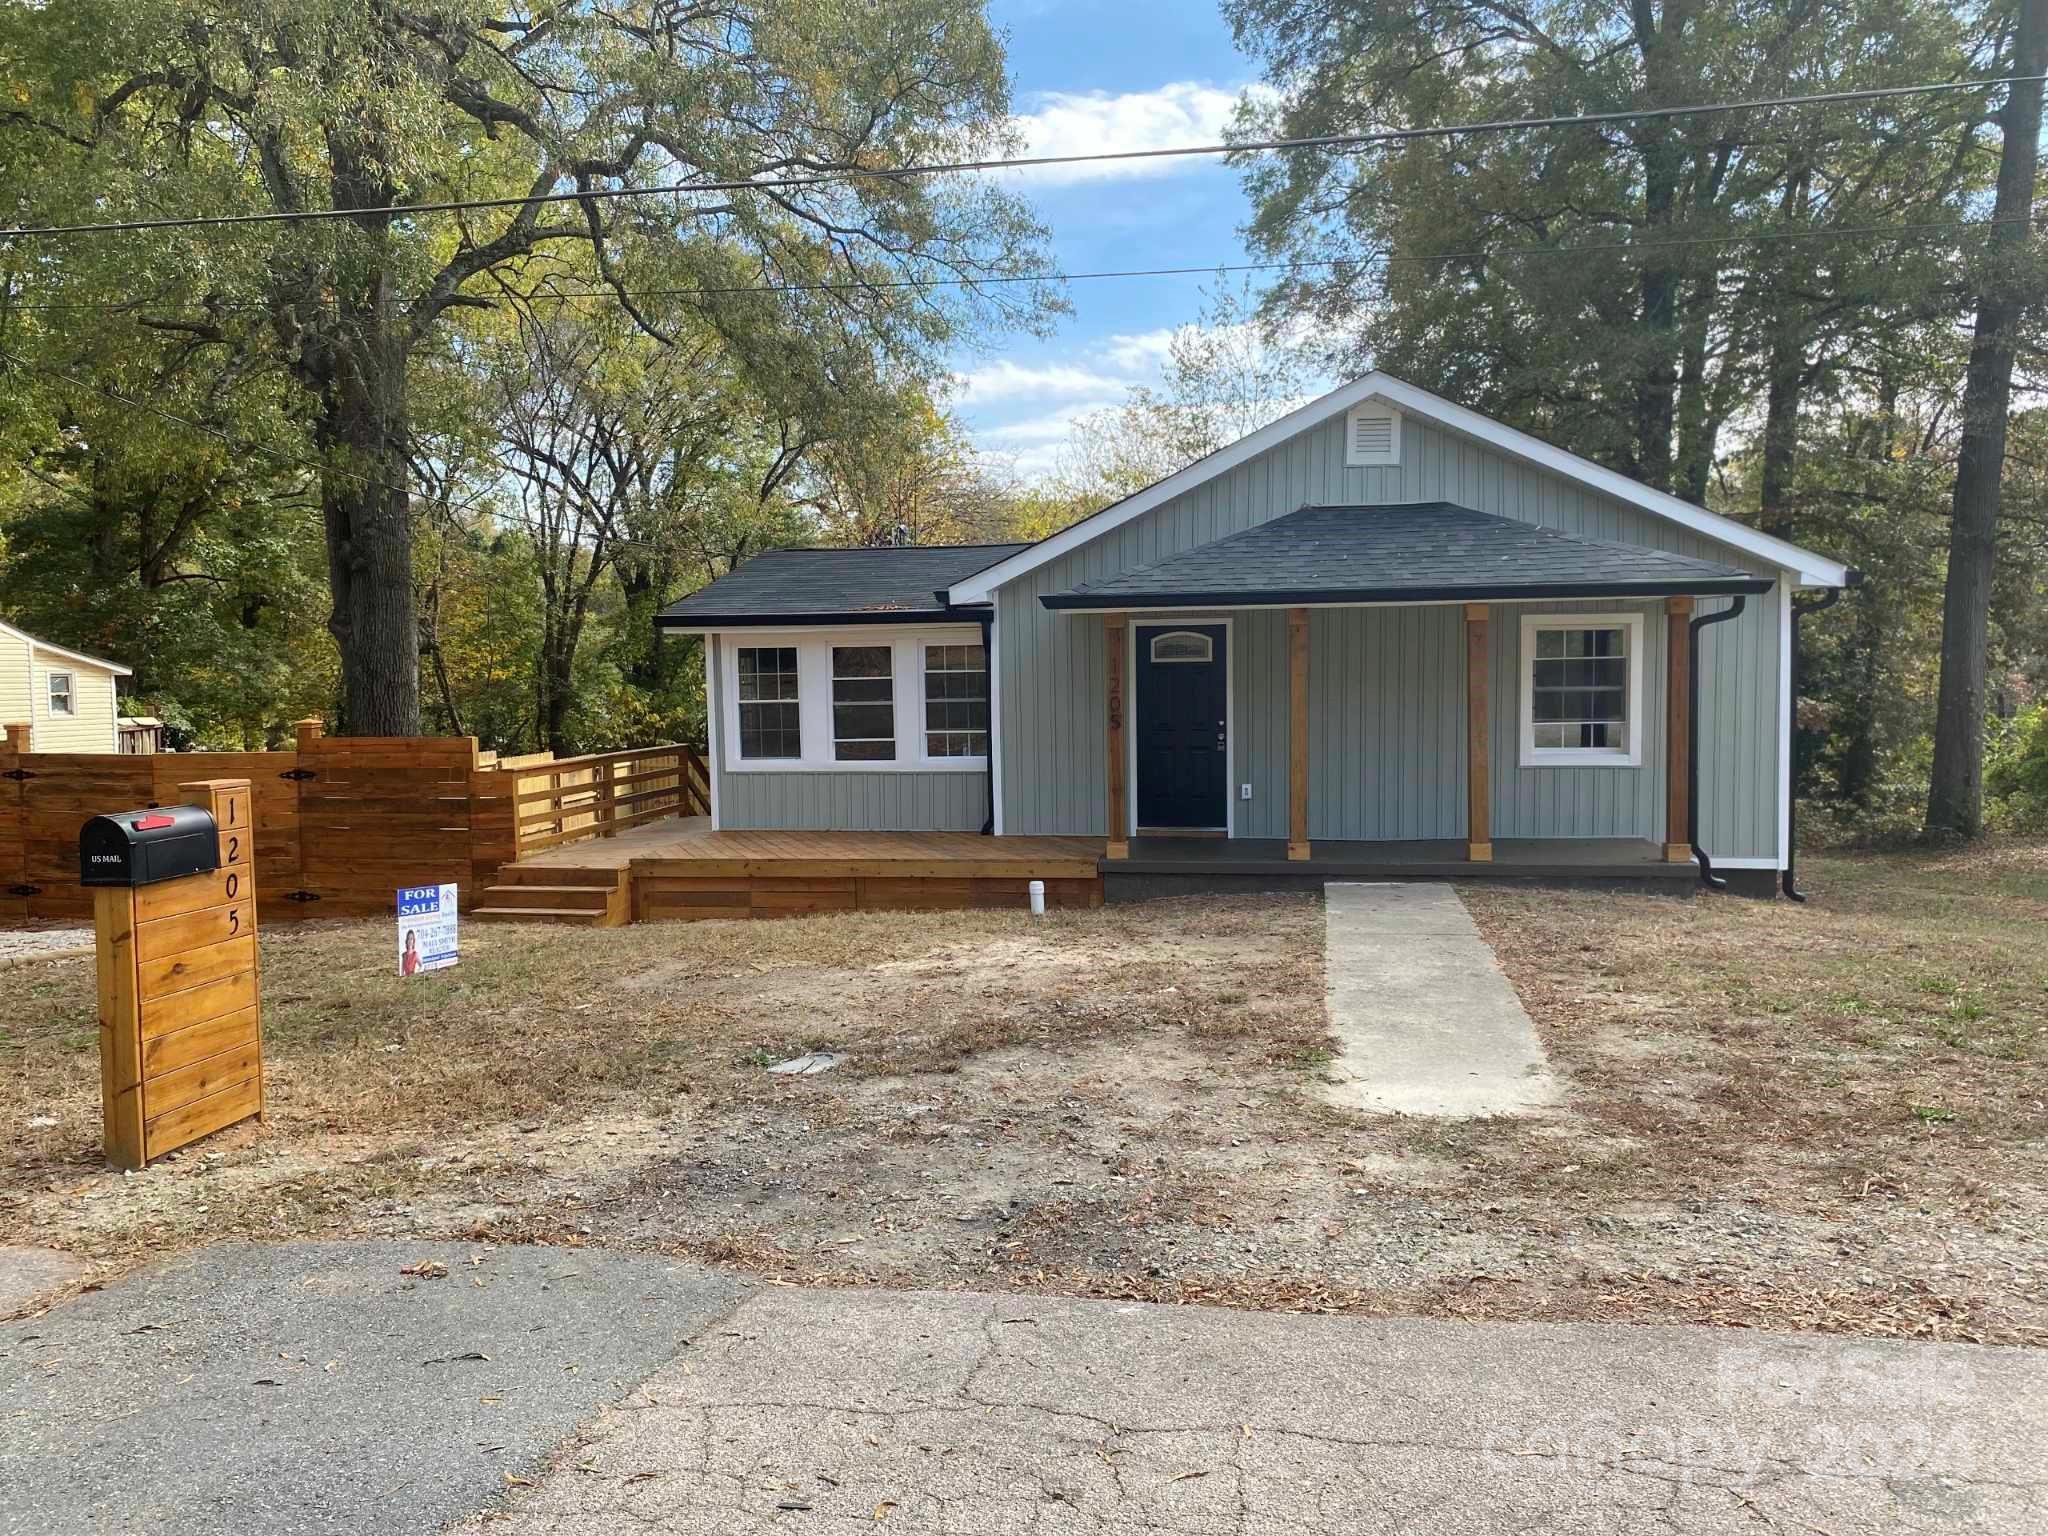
(1822, 1117)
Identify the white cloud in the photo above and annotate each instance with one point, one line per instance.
(1174, 116)
(1140, 352)
(1005, 380)
(1051, 428)
(1105, 367)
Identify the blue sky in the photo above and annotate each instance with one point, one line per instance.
(1090, 75)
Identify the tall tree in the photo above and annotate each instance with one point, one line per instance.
(1597, 285)
(2010, 280)
(139, 108)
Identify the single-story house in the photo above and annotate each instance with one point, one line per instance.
(1384, 631)
(66, 698)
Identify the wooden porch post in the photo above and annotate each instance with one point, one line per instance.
(1677, 729)
(1114, 627)
(1297, 733)
(1478, 760)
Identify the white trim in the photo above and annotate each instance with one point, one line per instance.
(995, 721)
(1784, 731)
(814, 646)
(1533, 756)
(1744, 863)
(70, 709)
(1229, 827)
(714, 731)
(57, 650)
(1813, 570)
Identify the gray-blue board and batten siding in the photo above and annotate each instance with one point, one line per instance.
(1386, 683)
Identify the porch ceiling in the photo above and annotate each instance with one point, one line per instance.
(1430, 551)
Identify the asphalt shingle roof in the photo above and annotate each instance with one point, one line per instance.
(1418, 552)
(792, 586)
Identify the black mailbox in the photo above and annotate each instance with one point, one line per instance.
(143, 847)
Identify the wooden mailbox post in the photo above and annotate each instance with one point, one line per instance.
(181, 1037)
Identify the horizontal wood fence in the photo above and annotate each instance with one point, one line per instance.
(341, 822)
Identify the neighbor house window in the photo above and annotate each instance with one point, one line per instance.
(863, 703)
(61, 700)
(1582, 689)
(769, 724)
(955, 701)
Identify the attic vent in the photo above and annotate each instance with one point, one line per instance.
(1373, 435)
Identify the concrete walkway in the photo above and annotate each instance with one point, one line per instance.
(310, 1388)
(1425, 1022)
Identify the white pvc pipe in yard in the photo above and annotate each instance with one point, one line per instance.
(1037, 898)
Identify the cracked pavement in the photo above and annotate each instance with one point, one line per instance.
(940, 1413)
(702, 1405)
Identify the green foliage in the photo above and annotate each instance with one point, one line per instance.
(2016, 769)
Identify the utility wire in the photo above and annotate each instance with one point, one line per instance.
(1375, 259)
(296, 461)
(1333, 141)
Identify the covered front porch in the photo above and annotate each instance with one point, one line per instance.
(1405, 692)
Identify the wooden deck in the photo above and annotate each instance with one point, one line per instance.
(681, 870)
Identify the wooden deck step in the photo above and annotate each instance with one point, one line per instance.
(589, 917)
(593, 898)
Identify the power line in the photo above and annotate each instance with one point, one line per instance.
(296, 461)
(837, 176)
(1377, 259)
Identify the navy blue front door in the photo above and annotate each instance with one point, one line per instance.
(1182, 727)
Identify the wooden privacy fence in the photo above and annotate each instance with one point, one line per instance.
(341, 822)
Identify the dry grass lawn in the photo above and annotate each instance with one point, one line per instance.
(1827, 1116)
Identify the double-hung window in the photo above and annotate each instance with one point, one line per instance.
(1582, 689)
(62, 700)
(955, 701)
(863, 703)
(770, 721)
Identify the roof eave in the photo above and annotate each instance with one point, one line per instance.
(698, 624)
(1326, 597)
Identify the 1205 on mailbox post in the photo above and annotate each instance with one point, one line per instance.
(174, 917)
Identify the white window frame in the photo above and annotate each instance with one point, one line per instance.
(895, 737)
(70, 709)
(803, 690)
(1534, 756)
(924, 646)
(814, 646)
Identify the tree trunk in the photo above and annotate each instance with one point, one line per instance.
(1656, 402)
(1781, 430)
(1698, 425)
(1955, 798)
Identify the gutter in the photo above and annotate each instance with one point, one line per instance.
(988, 660)
(1789, 880)
(1692, 764)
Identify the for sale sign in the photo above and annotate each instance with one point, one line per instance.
(426, 928)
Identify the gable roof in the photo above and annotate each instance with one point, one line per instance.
(890, 584)
(57, 650)
(1808, 569)
(1416, 552)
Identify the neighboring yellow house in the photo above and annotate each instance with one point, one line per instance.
(67, 698)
